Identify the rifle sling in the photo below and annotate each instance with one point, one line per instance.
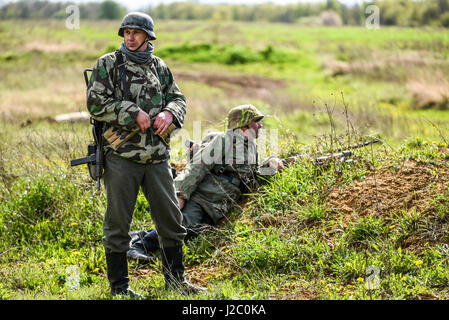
(122, 72)
(121, 69)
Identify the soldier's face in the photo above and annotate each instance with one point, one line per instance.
(254, 128)
(134, 38)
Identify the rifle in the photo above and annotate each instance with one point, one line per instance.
(338, 154)
(94, 160)
(358, 145)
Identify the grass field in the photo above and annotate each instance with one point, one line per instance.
(372, 229)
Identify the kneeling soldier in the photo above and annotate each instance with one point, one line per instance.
(224, 167)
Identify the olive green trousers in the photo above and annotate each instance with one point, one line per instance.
(123, 179)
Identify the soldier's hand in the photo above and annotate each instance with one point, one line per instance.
(143, 120)
(181, 203)
(276, 164)
(162, 121)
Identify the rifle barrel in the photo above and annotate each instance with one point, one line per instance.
(358, 145)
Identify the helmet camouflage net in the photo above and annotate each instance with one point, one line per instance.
(242, 116)
(138, 20)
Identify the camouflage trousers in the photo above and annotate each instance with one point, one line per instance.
(122, 179)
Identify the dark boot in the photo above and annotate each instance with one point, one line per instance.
(117, 267)
(143, 246)
(138, 235)
(137, 252)
(173, 270)
(150, 241)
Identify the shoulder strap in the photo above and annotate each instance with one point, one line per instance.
(121, 69)
(153, 69)
(156, 74)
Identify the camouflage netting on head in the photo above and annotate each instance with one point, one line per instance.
(242, 116)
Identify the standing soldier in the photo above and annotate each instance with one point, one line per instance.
(224, 167)
(131, 89)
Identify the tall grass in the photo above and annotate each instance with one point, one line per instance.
(285, 236)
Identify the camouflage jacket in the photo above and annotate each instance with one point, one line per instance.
(105, 103)
(219, 172)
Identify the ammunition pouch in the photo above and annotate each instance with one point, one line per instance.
(117, 137)
(165, 136)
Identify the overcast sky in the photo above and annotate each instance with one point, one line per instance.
(139, 4)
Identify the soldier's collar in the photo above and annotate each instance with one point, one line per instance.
(238, 133)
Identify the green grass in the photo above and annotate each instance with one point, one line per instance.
(51, 220)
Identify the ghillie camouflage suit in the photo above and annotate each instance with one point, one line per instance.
(219, 172)
(223, 168)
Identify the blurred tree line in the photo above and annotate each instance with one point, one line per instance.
(35, 9)
(329, 12)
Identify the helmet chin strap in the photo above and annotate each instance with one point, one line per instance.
(143, 42)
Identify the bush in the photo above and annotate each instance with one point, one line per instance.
(199, 52)
(37, 201)
(445, 20)
(366, 230)
(267, 250)
(330, 18)
(228, 54)
(110, 48)
(111, 10)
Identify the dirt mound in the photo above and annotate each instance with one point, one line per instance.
(53, 47)
(226, 80)
(411, 187)
(235, 85)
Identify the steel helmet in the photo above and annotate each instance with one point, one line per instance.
(138, 20)
(243, 115)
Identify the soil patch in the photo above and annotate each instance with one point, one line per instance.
(236, 85)
(53, 47)
(411, 187)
